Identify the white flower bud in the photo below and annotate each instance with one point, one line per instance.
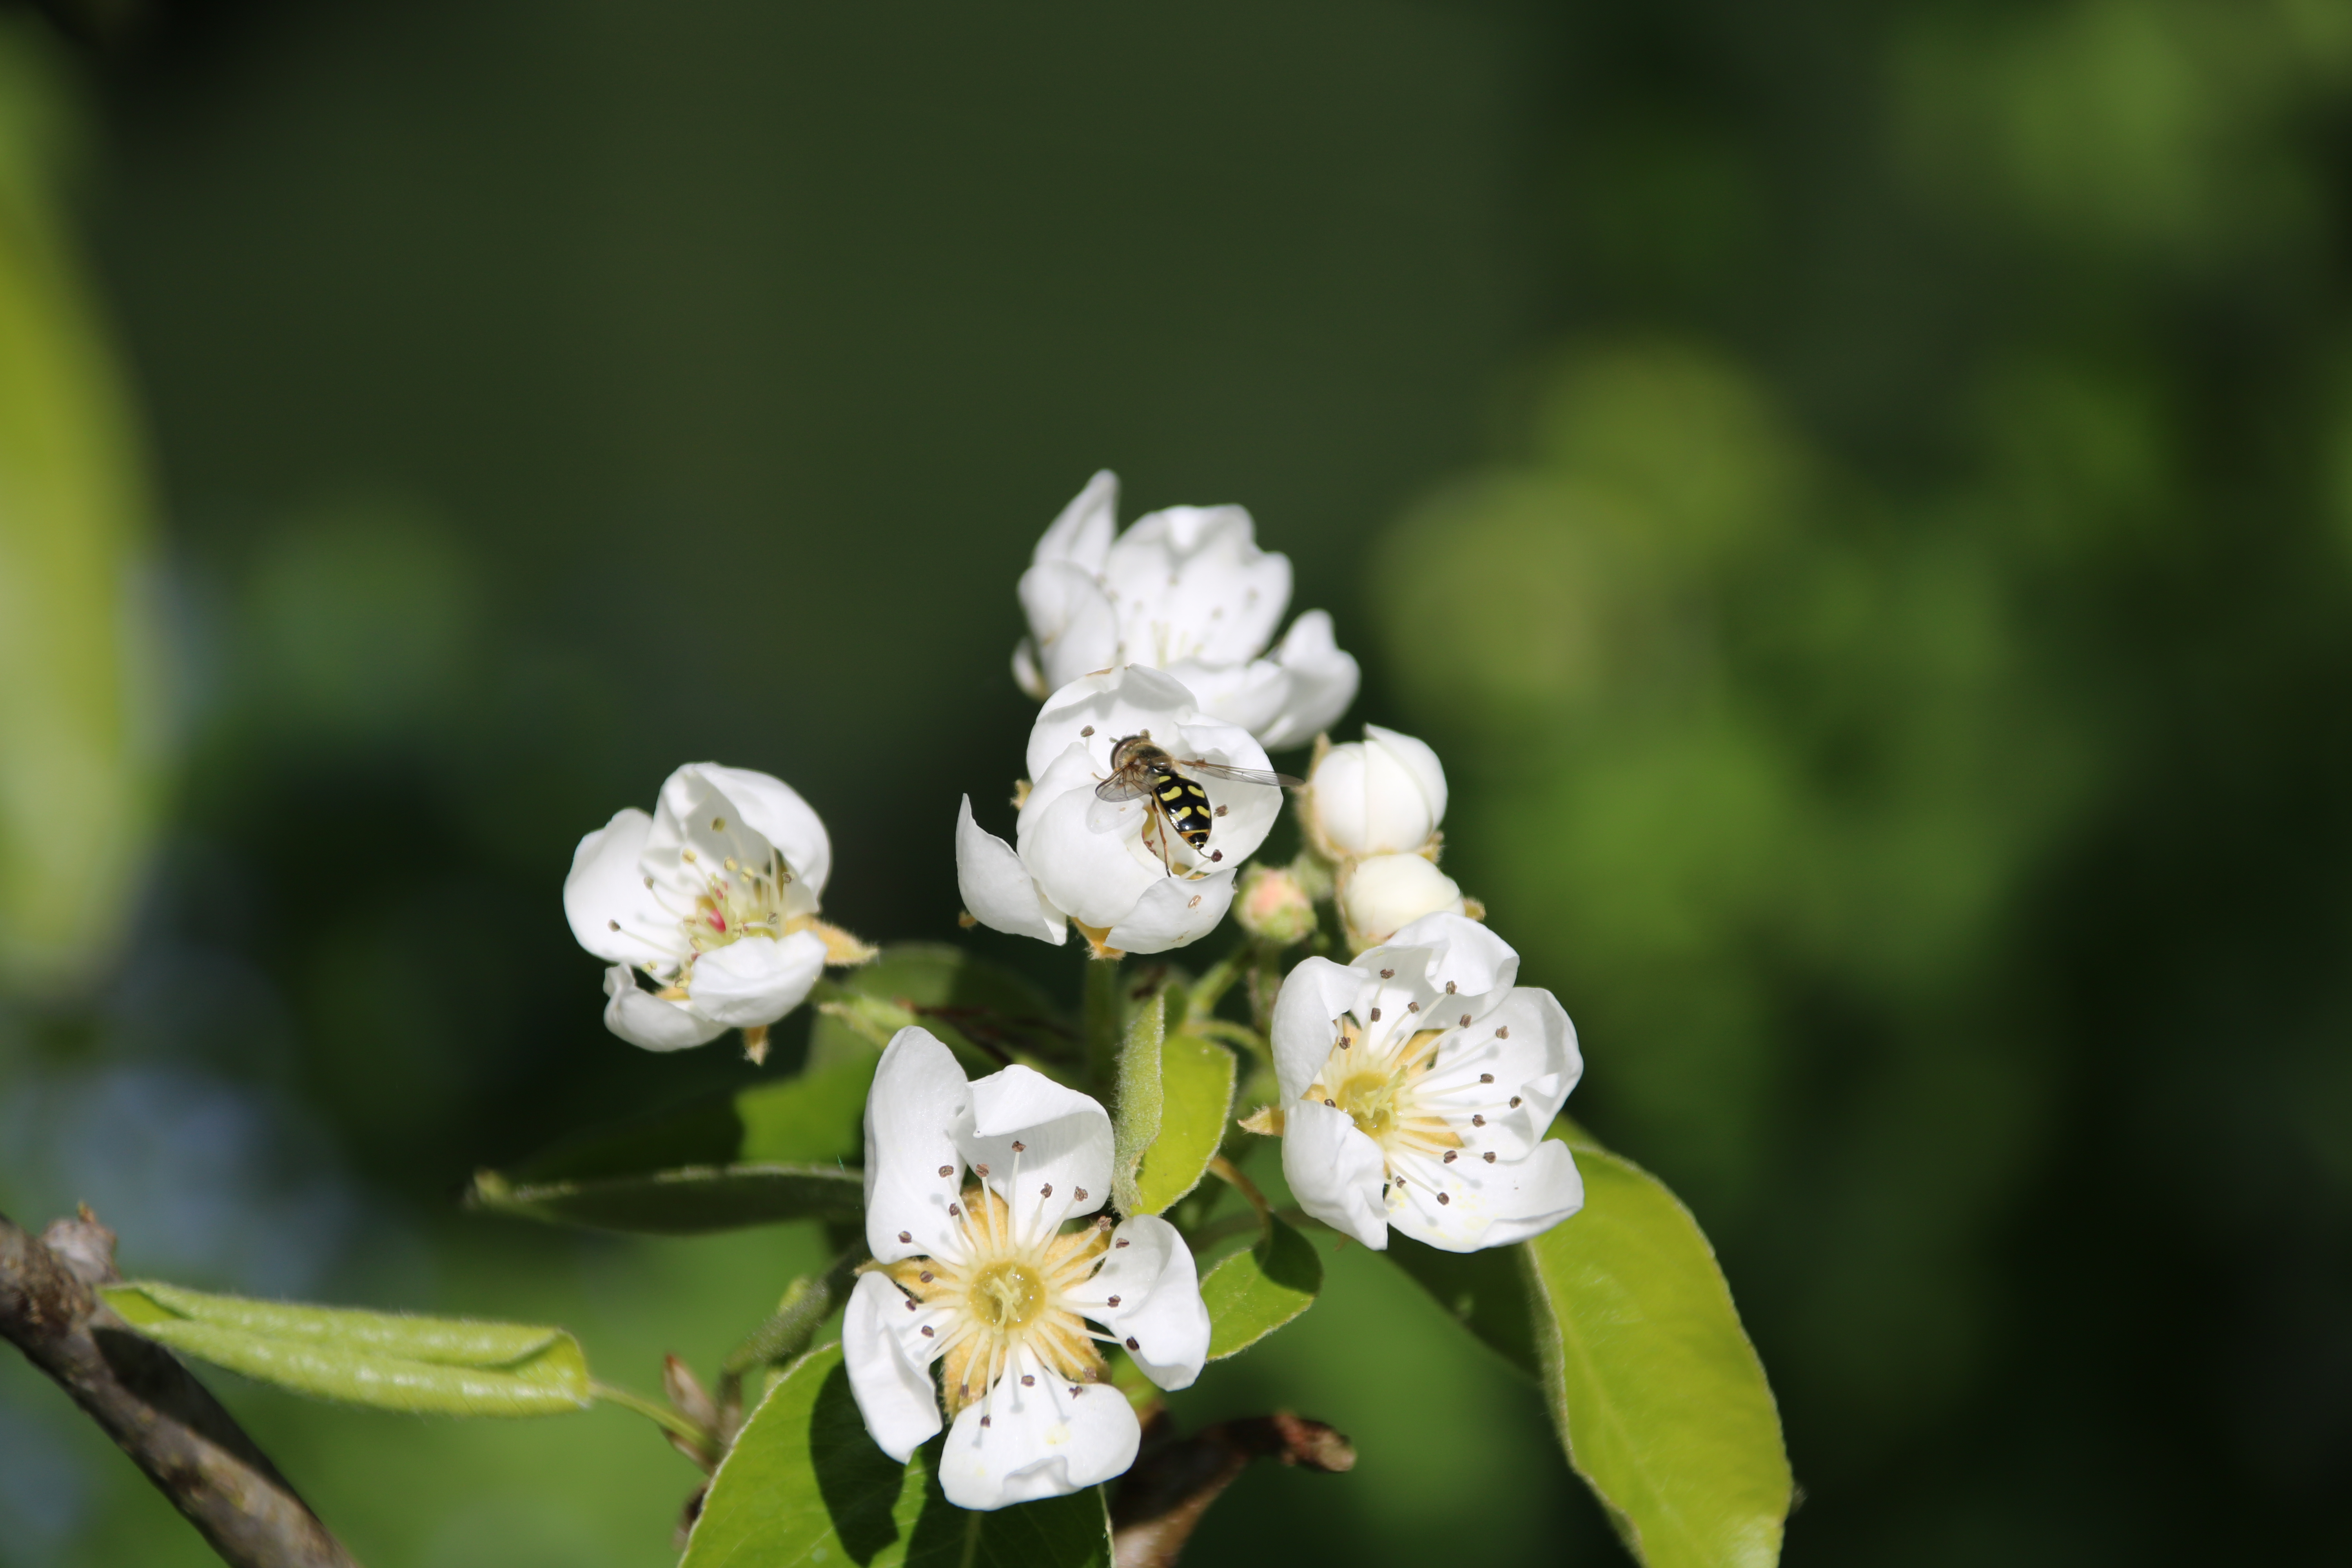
(1387, 892)
(1384, 795)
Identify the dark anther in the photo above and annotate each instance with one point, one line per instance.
(1515, 1102)
(1503, 1032)
(910, 1304)
(1132, 1344)
(1376, 1015)
(1076, 1390)
(1027, 1381)
(947, 1170)
(1446, 1198)
(1477, 1121)
(1221, 811)
(927, 1332)
(1465, 1020)
(1080, 1195)
(1120, 1242)
(982, 1170)
(1046, 1190)
(1412, 1006)
(1485, 1078)
(1449, 1156)
(1332, 1103)
(955, 1211)
(1216, 854)
(906, 1235)
(1020, 1148)
(985, 1420)
(1089, 730)
(1388, 975)
(925, 1277)
(1490, 1156)
(1449, 988)
(611, 925)
(1114, 1301)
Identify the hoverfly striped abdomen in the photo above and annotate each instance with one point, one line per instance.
(1187, 805)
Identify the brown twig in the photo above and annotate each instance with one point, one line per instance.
(152, 1407)
(1173, 1484)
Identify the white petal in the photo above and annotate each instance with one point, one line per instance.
(1316, 992)
(1066, 1145)
(697, 828)
(1096, 878)
(997, 890)
(1191, 582)
(1334, 1171)
(1490, 1205)
(775, 810)
(1027, 673)
(1072, 624)
(605, 889)
(644, 1019)
(1527, 1048)
(756, 980)
(1387, 892)
(1420, 762)
(1150, 1270)
(1081, 534)
(918, 1106)
(1041, 1441)
(1172, 913)
(1252, 696)
(1322, 681)
(1112, 704)
(1469, 955)
(892, 1389)
(1337, 795)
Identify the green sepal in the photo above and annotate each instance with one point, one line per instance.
(1196, 1092)
(385, 1360)
(805, 1484)
(1137, 1107)
(1253, 1293)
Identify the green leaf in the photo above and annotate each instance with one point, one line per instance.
(1196, 1092)
(1135, 1110)
(80, 724)
(804, 1484)
(1253, 1293)
(985, 1015)
(1656, 1394)
(1486, 1290)
(783, 1150)
(386, 1360)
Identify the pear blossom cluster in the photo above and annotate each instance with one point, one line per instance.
(1416, 1081)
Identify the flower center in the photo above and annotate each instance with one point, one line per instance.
(737, 901)
(1006, 1295)
(1379, 1090)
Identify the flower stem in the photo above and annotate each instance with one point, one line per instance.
(1211, 988)
(661, 1416)
(1232, 1034)
(1231, 1174)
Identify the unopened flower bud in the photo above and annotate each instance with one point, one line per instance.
(1389, 892)
(1384, 795)
(1273, 908)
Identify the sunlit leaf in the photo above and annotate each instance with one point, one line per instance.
(987, 1015)
(1253, 1293)
(439, 1366)
(1196, 1082)
(805, 1484)
(781, 1151)
(1656, 1392)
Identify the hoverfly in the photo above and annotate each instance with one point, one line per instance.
(1142, 771)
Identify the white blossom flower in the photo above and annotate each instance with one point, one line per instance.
(1185, 590)
(1383, 795)
(1114, 868)
(1381, 896)
(713, 898)
(1417, 1084)
(984, 1278)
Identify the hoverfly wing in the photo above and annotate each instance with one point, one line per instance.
(1242, 776)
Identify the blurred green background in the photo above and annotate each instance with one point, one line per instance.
(1860, 497)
